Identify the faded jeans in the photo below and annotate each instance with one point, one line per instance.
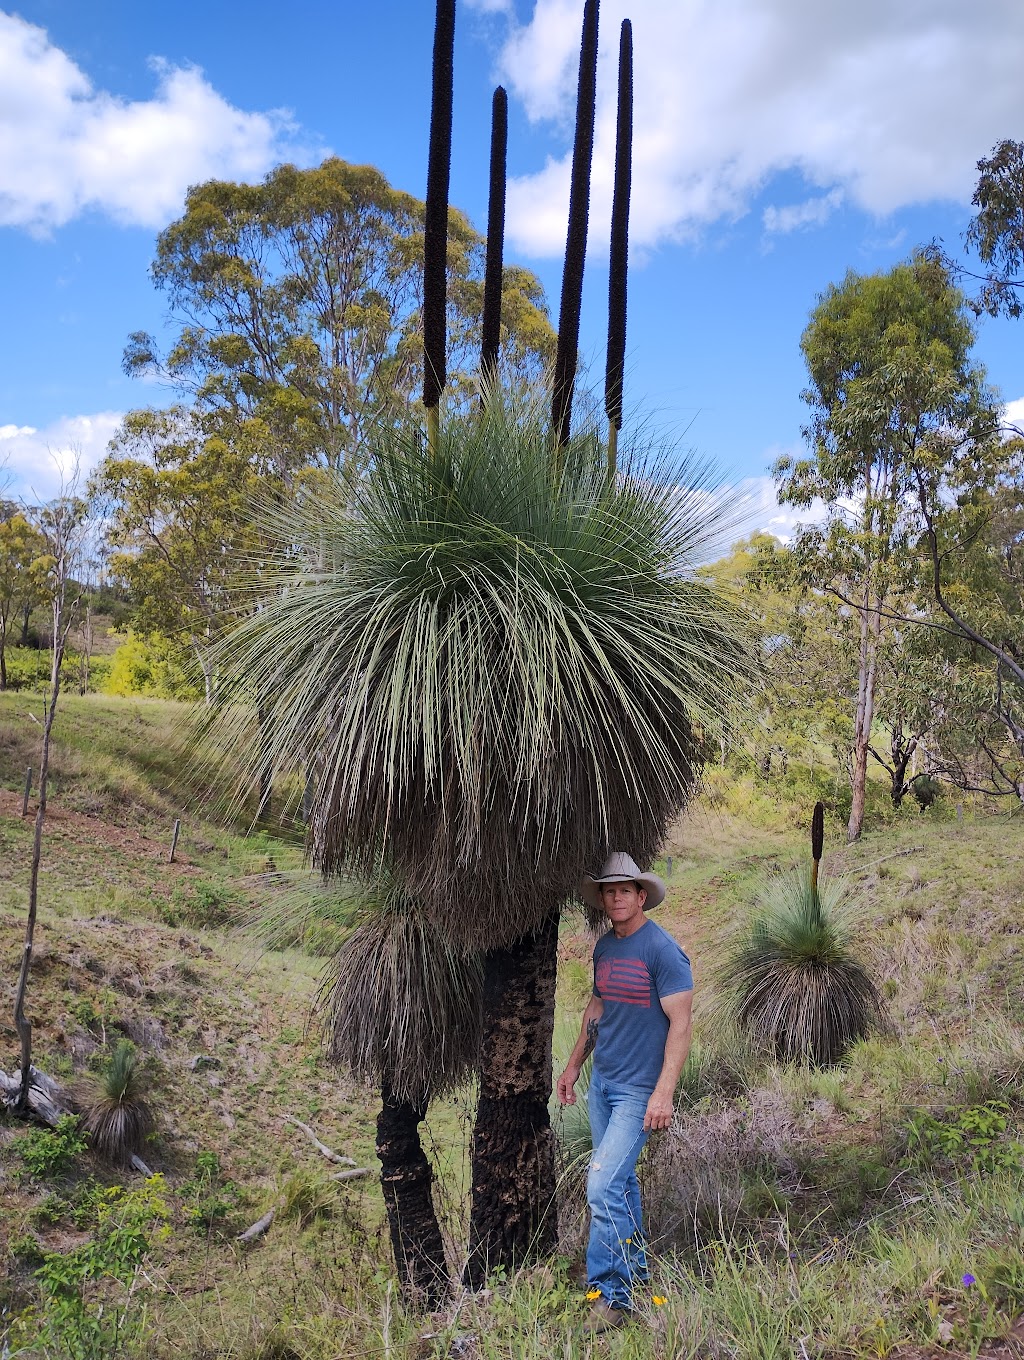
(616, 1259)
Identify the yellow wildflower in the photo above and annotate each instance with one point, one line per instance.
(658, 1300)
(593, 1293)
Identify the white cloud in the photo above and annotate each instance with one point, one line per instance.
(757, 508)
(886, 104)
(36, 461)
(813, 212)
(66, 147)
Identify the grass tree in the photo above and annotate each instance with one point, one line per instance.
(793, 981)
(117, 1115)
(401, 1009)
(508, 671)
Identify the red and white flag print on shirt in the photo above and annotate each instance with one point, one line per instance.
(625, 980)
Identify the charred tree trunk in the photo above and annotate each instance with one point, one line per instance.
(406, 1178)
(513, 1145)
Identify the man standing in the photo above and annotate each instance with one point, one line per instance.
(638, 1024)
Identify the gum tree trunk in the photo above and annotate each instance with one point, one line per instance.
(513, 1145)
(406, 1178)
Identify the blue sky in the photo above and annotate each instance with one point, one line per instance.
(779, 143)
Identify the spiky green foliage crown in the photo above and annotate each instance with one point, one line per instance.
(567, 353)
(505, 669)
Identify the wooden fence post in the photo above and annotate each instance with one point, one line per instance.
(174, 839)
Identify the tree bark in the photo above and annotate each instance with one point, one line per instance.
(513, 1146)
(870, 627)
(406, 1178)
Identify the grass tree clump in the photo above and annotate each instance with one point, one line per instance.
(793, 981)
(117, 1116)
(508, 671)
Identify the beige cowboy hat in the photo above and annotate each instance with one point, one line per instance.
(621, 868)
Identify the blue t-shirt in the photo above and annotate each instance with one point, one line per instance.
(630, 977)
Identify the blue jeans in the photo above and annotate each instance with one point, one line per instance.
(616, 1259)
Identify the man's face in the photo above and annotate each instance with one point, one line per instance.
(623, 902)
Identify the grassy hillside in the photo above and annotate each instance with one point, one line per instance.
(795, 1213)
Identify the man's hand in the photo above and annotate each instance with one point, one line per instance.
(566, 1083)
(660, 1110)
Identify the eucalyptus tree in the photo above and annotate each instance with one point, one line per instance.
(23, 567)
(508, 671)
(891, 377)
(299, 303)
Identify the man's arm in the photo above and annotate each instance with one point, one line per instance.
(661, 1105)
(581, 1052)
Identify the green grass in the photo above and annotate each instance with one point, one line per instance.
(790, 1208)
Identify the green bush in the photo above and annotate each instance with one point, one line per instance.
(151, 666)
(975, 1137)
(926, 791)
(200, 904)
(50, 1152)
(209, 1198)
(87, 1310)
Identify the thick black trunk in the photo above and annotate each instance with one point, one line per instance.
(406, 1178)
(513, 1145)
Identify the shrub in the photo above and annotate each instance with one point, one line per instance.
(209, 1198)
(974, 1137)
(50, 1152)
(926, 791)
(88, 1310)
(792, 981)
(201, 904)
(151, 666)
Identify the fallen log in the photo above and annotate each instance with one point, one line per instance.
(45, 1098)
(322, 1148)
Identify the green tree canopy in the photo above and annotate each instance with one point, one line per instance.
(24, 563)
(179, 524)
(996, 231)
(300, 300)
(892, 382)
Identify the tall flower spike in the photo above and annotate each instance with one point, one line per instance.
(491, 338)
(567, 353)
(435, 236)
(619, 256)
(817, 847)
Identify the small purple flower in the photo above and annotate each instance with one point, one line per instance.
(969, 1280)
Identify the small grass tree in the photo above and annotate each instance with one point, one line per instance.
(793, 981)
(117, 1116)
